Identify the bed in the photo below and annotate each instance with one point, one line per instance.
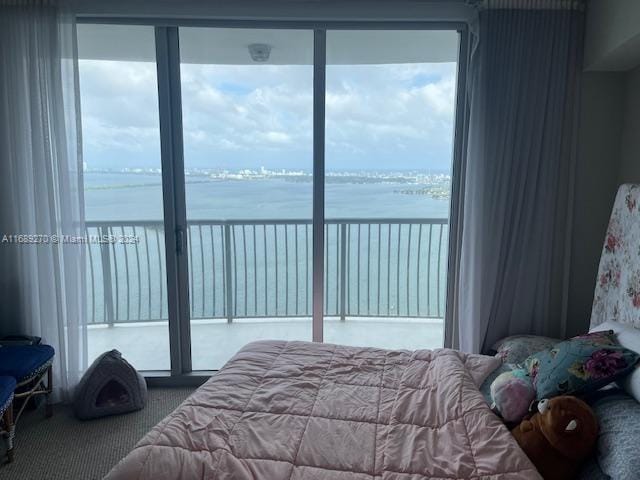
(298, 410)
(294, 410)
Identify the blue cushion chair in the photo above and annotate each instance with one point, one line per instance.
(25, 362)
(29, 367)
(7, 428)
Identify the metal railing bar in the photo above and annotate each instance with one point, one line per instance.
(229, 313)
(115, 269)
(191, 282)
(298, 221)
(266, 271)
(308, 260)
(213, 276)
(255, 273)
(107, 290)
(93, 289)
(235, 270)
(379, 274)
(438, 277)
(408, 268)
(146, 248)
(202, 268)
(342, 285)
(159, 270)
(139, 276)
(348, 271)
(375, 315)
(338, 253)
(398, 270)
(296, 257)
(326, 269)
(286, 269)
(429, 269)
(389, 270)
(252, 221)
(368, 267)
(126, 267)
(418, 271)
(358, 284)
(275, 240)
(332, 221)
(225, 283)
(246, 278)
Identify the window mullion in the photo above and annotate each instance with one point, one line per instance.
(319, 77)
(176, 231)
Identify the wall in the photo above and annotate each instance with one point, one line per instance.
(600, 127)
(609, 140)
(345, 10)
(630, 148)
(612, 40)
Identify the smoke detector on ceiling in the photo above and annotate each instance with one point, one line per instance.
(259, 52)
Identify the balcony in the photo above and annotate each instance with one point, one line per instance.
(385, 285)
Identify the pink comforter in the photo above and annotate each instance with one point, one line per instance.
(294, 410)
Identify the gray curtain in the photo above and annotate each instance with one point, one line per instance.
(518, 177)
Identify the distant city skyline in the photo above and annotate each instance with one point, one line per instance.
(265, 170)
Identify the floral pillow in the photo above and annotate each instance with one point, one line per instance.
(579, 365)
(516, 348)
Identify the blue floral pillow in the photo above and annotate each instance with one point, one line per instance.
(579, 365)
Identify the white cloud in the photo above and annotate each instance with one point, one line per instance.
(279, 138)
(251, 114)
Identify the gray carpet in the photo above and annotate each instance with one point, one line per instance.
(63, 448)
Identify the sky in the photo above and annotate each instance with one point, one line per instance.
(378, 117)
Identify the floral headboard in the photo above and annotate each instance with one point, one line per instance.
(617, 294)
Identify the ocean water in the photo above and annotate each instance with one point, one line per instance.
(121, 196)
(264, 270)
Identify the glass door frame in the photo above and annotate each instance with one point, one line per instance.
(173, 178)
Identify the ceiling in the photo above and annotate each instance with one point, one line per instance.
(229, 46)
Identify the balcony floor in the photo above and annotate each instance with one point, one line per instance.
(146, 345)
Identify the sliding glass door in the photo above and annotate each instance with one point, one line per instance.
(390, 99)
(247, 122)
(123, 195)
(222, 164)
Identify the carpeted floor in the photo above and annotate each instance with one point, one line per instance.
(63, 448)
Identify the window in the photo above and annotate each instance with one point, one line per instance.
(248, 155)
(389, 131)
(126, 267)
(216, 249)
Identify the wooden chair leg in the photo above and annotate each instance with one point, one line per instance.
(48, 409)
(11, 429)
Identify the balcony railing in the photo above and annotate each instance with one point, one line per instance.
(262, 269)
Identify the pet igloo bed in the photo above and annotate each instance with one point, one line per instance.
(110, 386)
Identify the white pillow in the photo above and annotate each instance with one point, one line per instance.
(629, 337)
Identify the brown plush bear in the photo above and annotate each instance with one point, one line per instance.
(559, 437)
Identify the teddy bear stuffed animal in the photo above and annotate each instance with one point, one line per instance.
(558, 437)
